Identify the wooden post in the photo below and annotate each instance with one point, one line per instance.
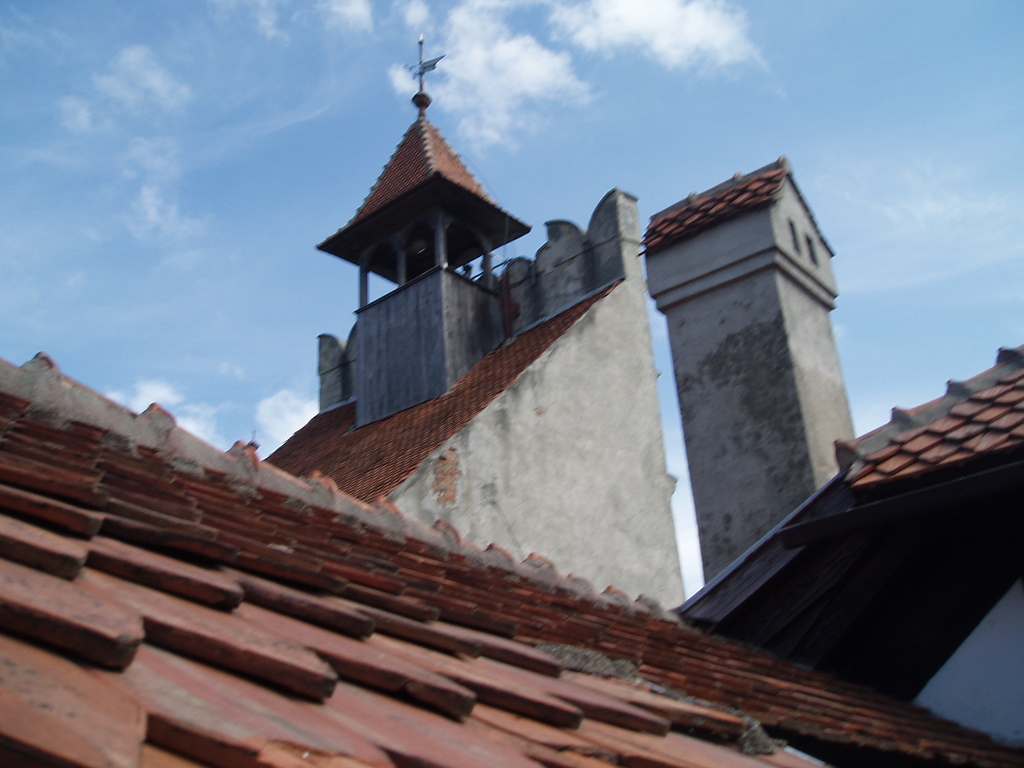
(440, 246)
(364, 279)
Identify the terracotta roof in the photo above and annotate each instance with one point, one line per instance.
(421, 154)
(373, 460)
(168, 606)
(979, 419)
(424, 173)
(740, 194)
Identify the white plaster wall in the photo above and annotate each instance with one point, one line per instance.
(982, 684)
(568, 462)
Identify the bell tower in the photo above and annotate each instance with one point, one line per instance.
(424, 219)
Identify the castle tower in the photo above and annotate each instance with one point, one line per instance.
(513, 406)
(425, 218)
(745, 280)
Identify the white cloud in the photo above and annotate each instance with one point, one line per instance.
(494, 77)
(922, 198)
(416, 14)
(148, 391)
(201, 421)
(280, 414)
(500, 79)
(347, 15)
(153, 215)
(76, 114)
(156, 158)
(403, 83)
(136, 79)
(264, 12)
(153, 212)
(676, 33)
(915, 220)
(198, 418)
(232, 370)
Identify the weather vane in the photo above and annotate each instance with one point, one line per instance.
(421, 99)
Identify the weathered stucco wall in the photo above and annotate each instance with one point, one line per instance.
(568, 462)
(818, 376)
(745, 442)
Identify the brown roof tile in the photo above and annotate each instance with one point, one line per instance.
(420, 154)
(163, 573)
(54, 712)
(246, 684)
(975, 420)
(739, 195)
(40, 549)
(63, 614)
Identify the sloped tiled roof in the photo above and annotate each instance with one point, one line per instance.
(424, 175)
(421, 154)
(373, 460)
(168, 606)
(740, 194)
(976, 420)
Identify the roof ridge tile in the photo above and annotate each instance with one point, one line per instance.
(957, 401)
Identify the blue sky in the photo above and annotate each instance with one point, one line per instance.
(166, 168)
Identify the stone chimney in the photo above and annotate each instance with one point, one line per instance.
(744, 277)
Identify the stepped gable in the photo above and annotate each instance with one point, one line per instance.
(372, 461)
(699, 212)
(166, 605)
(978, 420)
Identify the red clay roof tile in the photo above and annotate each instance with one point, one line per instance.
(52, 511)
(420, 154)
(735, 197)
(40, 549)
(322, 610)
(219, 639)
(975, 420)
(60, 613)
(223, 720)
(369, 662)
(238, 707)
(54, 712)
(164, 573)
(415, 737)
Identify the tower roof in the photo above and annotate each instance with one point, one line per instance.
(421, 154)
(423, 172)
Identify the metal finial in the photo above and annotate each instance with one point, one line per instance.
(421, 100)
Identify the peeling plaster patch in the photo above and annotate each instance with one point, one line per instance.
(445, 481)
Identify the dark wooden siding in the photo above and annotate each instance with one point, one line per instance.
(472, 324)
(417, 341)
